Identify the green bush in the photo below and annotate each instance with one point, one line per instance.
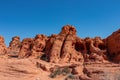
(66, 70)
(55, 73)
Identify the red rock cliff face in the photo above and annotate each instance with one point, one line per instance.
(32, 47)
(61, 47)
(66, 47)
(113, 46)
(63, 55)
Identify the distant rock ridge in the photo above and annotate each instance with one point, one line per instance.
(65, 47)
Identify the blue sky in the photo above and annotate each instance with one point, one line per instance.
(26, 18)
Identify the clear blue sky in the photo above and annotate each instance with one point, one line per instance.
(26, 18)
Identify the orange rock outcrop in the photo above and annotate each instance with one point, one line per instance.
(85, 58)
(25, 49)
(62, 46)
(38, 46)
(14, 46)
(3, 48)
(66, 47)
(113, 46)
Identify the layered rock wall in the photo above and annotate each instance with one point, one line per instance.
(113, 46)
(66, 47)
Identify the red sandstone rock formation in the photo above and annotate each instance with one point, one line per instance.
(25, 49)
(87, 59)
(38, 46)
(113, 46)
(3, 48)
(60, 48)
(14, 46)
(33, 47)
(97, 50)
(66, 47)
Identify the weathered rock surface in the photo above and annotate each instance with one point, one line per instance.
(14, 46)
(3, 48)
(25, 49)
(60, 48)
(38, 46)
(64, 47)
(33, 47)
(65, 55)
(102, 71)
(113, 46)
(96, 49)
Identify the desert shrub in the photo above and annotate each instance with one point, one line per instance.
(70, 77)
(66, 70)
(55, 73)
(60, 71)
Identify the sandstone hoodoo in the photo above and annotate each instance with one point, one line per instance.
(25, 49)
(14, 46)
(3, 47)
(38, 45)
(65, 55)
(66, 47)
(62, 46)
